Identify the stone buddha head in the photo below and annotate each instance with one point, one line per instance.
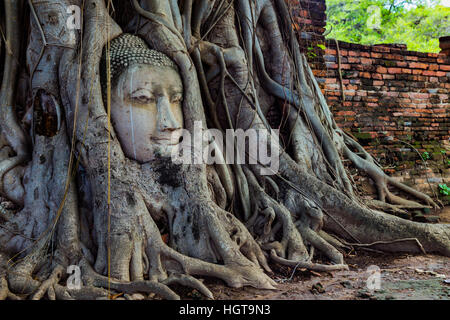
(146, 98)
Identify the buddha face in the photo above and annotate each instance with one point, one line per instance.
(146, 111)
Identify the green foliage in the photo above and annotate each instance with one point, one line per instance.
(416, 23)
(311, 54)
(443, 189)
(425, 156)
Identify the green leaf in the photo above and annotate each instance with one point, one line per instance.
(321, 46)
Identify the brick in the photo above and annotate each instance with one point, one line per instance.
(433, 67)
(416, 95)
(350, 92)
(346, 113)
(392, 94)
(332, 86)
(353, 60)
(331, 65)
(381, 70)
(366, 61)
(429, 73)
(377, 76)
(418, 65)
(380, 49)
(394, 70)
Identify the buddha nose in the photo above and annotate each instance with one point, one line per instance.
(166, 118)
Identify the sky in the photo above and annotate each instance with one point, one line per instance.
(445, 3)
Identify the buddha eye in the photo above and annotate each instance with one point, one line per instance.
(142, 96)
(177, 98)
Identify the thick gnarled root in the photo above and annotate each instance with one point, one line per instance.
(387, 232)
(47, 286)
(265, 211)
(364, 162)
(298, 218)
(5, 294)
(307, 265)
(160, 288)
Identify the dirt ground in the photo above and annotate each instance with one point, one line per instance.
(402, 277)
(444, 215)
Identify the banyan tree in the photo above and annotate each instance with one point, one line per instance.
(96, 94)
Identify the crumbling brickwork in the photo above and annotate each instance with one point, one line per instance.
(396, 101)
(397, 105)
(310, 21)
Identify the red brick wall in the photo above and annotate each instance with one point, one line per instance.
(393, 95)
(309, 21)
(396, 101)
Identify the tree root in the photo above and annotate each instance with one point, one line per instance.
(205, 240)
(307, 265)
(367, 164)
(4, 291)
(91, 278)
(392, 208)
(321, 244)
(10, 130)
(291, 244)
(47, 286)
(361, 245)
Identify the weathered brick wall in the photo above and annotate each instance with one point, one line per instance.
(396, 101)
(397, 105)
(310, 21)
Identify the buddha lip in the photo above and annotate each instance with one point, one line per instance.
(163, 140)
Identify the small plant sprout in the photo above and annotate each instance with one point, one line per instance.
(444, 189)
